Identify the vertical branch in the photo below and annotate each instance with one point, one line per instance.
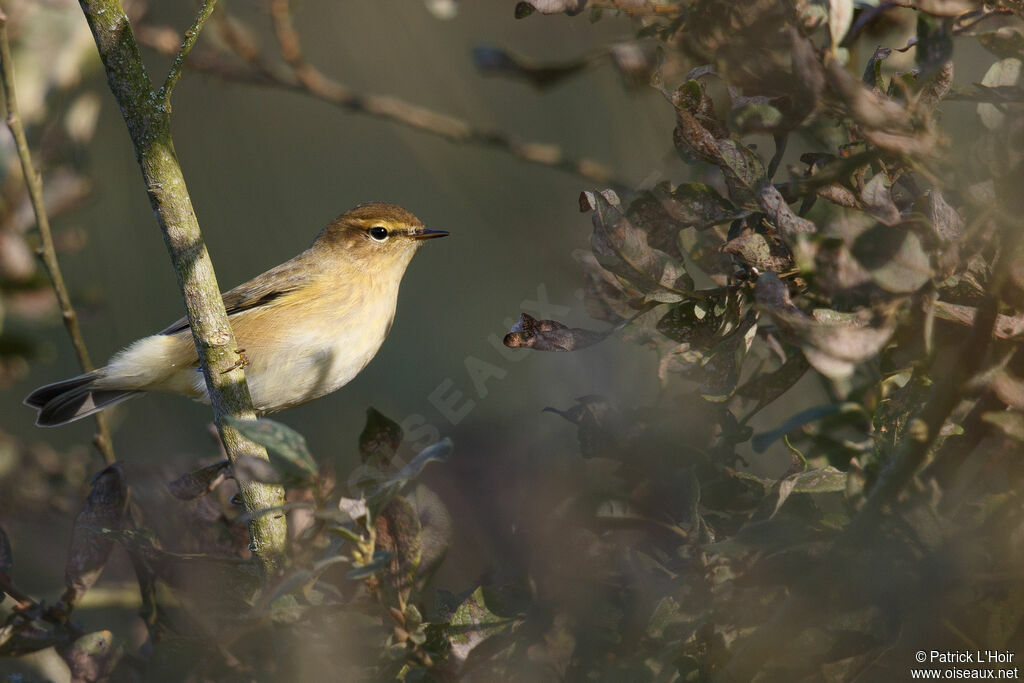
(34, 184)
(146, 114)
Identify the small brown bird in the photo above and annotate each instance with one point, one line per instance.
(307, 327)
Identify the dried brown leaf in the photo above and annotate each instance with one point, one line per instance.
(872, 110)
(606, 296)
(937, 87)
(380, 439)
(1007, 327)
(946, 222)
(199, 482)
(834, 343)
(104, 508)
(623, 249)
(877, 199)
(771, 201)
(549, 335)
(764, 252)
(837, 194)
(699, 134)
(399, 532)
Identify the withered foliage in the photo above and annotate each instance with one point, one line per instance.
(838, 278)
(870, 259)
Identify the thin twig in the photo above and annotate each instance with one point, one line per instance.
(302, 77)
(34, 184)
(630, 10)
(28, 607)
(191, 35)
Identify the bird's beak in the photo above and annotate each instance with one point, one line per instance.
(425, 234)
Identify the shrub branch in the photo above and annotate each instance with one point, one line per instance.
(299, 75)
(147, 117)
(34, 183)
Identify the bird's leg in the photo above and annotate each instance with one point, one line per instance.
(242, 362)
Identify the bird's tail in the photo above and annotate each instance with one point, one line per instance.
(73, 399)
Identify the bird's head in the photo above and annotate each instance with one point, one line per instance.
(376, 236)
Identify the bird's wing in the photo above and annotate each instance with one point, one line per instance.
(260, 291)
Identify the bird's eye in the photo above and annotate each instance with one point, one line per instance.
(378, 233)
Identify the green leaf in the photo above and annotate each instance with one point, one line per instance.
(437, 452)
(743, 170)
(873, 71)
(762, 441)
(825, 480)
(288, 584)
(691, 322)
(764, 252)
(755, 117)
(321, 565)
(287, 448)
(721, 367)
(765, 388)
(667, 613)
(344, 532)
(524, 9)
(379, 561)
(380, 490)
(472, 623)
(779, 532)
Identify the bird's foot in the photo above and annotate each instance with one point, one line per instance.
(242, 362)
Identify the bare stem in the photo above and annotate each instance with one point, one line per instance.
(631, 10)
(148, 122)
(191, 35)
(299, 75)
(34, 184)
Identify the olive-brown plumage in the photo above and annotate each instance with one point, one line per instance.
(307, 326)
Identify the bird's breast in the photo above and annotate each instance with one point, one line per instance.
(314, 345)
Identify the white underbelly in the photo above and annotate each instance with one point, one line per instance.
(302, 358)
(311, 366)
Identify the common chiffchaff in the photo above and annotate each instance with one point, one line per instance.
(306, 327)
